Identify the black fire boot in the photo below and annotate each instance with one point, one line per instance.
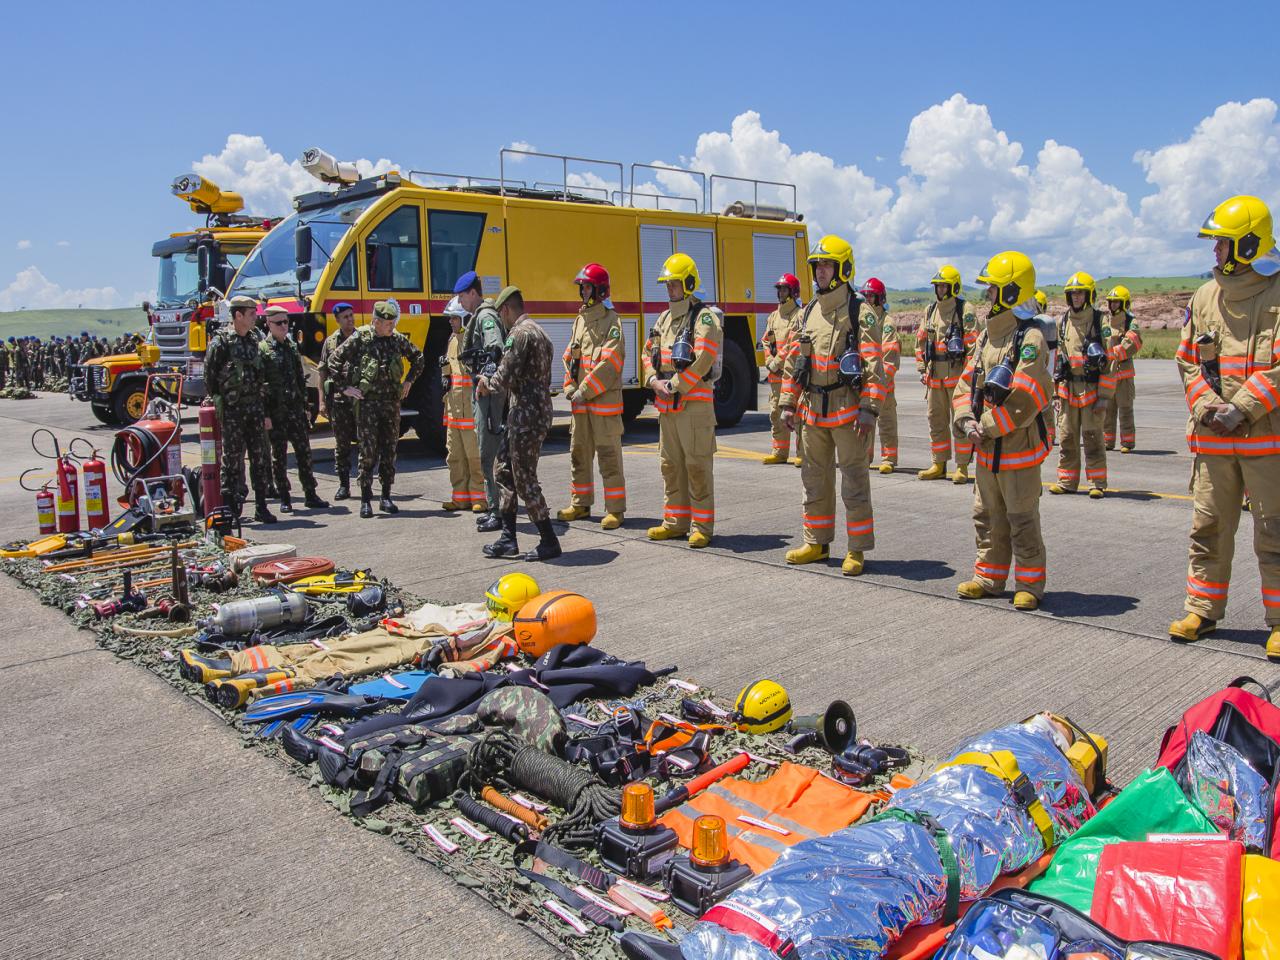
(313, 501)
(548, 547)
(286, 503)
(385, 503)
(261, 514)
(505, 545)
(366, 502)
(489, 522)
(344, 487)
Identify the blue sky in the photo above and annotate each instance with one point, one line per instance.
(115, 100)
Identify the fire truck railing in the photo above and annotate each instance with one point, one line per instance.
(564, 159)
(702, 178)
(792, 212)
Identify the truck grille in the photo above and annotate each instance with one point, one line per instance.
(171, 338)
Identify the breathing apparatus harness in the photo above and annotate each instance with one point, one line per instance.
(1095, 354)
(997, 386)
(954, 340)
(682, 351)
(850, 370)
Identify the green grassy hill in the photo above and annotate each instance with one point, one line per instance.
(1138, 286)
(61, 323)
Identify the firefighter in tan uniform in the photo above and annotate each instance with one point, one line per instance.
(593, 386)
(1001, 406)
(462, 447)
(680, 366)
(834, 383)
(1085, 387)
(944, 344)
(1126, 343)
(778, 335)
(876, 301)
(1229, 360)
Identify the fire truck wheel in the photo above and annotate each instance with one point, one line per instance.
(733, 390)
(103, 414)
(127, 405)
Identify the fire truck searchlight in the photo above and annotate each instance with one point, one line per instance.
(324, 167)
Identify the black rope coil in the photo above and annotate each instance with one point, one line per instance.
(506, 762)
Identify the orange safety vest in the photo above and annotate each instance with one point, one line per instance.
(797, 802)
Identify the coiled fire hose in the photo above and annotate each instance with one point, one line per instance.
(502, 760)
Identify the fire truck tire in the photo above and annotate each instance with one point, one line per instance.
(733, 390)
(127, 404)
(104, 414)
(633, 403)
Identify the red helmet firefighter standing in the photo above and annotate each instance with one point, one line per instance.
(593, 364)
(779, 333)
(1229, 359)
(886, 335)
(833, 381)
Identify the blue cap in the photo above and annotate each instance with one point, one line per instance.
(465, 282)
(339, 307)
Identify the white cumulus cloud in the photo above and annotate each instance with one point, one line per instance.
(24, 244)
(32, 290)
(263, 177)
(524, 145)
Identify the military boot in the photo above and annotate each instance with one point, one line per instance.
(548, 547)
(366, 502)
(809, 553)
(936, 472)
(573, 512)
(344, 487)
(261, 514)
(200, 669)
(854, 563)
(1193, 627)
(385, 503)
(286, 504)
(489, 522)
(1273, 644)
(313, 501)
(506, 545)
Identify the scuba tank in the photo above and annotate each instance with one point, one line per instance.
(261, 613)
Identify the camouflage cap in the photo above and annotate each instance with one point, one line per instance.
(386, 310)
(276, 311)
(241, 301)
(505, 295)
(527, 713)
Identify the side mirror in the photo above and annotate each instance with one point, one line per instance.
(302, 244)
(303, 272)
(204, 266)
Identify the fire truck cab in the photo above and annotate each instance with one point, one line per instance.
(409, 237)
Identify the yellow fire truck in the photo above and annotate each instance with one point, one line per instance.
(409, 237)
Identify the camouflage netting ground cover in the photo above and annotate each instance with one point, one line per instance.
(483, 867)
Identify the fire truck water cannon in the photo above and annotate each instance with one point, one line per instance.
(326, 168)
(205, 196)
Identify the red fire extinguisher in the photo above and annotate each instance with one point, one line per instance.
(97, 509)
(67, 506)
(45, 518)
(210, 457)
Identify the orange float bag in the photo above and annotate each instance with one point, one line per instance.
(553, 618)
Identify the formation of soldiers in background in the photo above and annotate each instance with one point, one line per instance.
(32, 363)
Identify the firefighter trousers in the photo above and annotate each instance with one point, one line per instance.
(1218, 484)
(490, 408)
(781, 435)
(594, 438)
(938, 402)
(1081, 426)
(827, 450)
(686, 450)
(1006, 520)
(1121, 409)
(887, 425)
(462, 457)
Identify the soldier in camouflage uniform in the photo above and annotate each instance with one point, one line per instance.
(18, 364)
(287, 406)
(484, 335)
(4, 363)
(525, 374)
(336, 405)
(370, 365)
(235, 377)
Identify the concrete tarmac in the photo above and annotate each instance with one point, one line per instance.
(135, 824)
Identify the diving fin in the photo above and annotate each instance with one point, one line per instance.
(393, 686)
(326, 703)
(302, 748)
(302, 724)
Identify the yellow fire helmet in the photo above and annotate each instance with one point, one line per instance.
(1121, 293)
(508, 594)
(1080, 281)
(1246, 222)
(950, 276)
(762, 707)
(838, 250)
(1042, 301)
(1013, 275)
(681, 266)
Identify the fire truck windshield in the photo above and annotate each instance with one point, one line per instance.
(178, 282)
(270, 267)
